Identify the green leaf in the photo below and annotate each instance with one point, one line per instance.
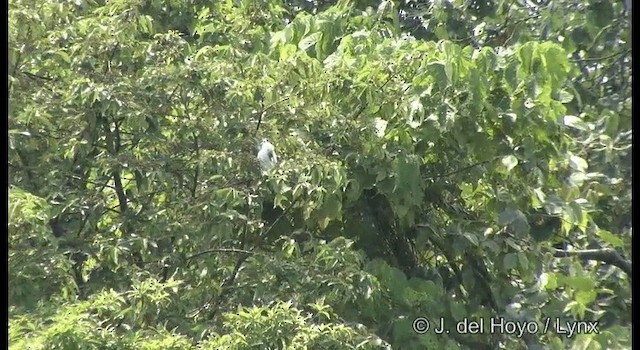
(516, 219)
(601, 13)
(458, 311)
(521, 225)
(556, 64)
(548, 281)
(448, 71)
(575, 122)
(64, 56)
(579, 283)
(574, 213)
(510, 261)
(309, 41)
(578, 163)
(576, 309)
(472, 238)
(507, 217)
(145, 24)
(564, 96)
(397, 281)
(492, 246)
(511, 76)
(523, 260)
(612, 124)
(526, 56)
(438, 71)
(408, 182)
(610, 238)
(539, 195)
(586, 297)
(577, 179)
(554, 205)
(203, 272)
(114, 253)
(331, 209)
(415, 106)
(402, 330)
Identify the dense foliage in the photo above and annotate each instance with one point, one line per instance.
(462, 160)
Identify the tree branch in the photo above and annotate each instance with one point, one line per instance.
(194, 189)
(459, 170)
(364, 105)
(36, 76)
(265, 109)
(608, 256)
(588, 59)
(220, 250)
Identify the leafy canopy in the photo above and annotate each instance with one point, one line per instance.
(456, 160)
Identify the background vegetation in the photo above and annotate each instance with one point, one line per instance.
(439, 159)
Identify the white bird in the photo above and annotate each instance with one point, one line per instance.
(267, 155)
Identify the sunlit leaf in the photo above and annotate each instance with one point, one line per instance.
(510, 162)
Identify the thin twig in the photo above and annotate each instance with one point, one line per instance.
(262, 113)
(220, 250)
(459, 170)
(601, 58)
(35, 76)
(364, 105)
(265, 232)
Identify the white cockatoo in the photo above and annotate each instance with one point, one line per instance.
(267, 156)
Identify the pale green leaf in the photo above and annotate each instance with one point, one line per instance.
(578, 163)
(610, 238)
(575, 122)
(309, 41)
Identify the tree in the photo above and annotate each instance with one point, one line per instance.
(462, 161)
